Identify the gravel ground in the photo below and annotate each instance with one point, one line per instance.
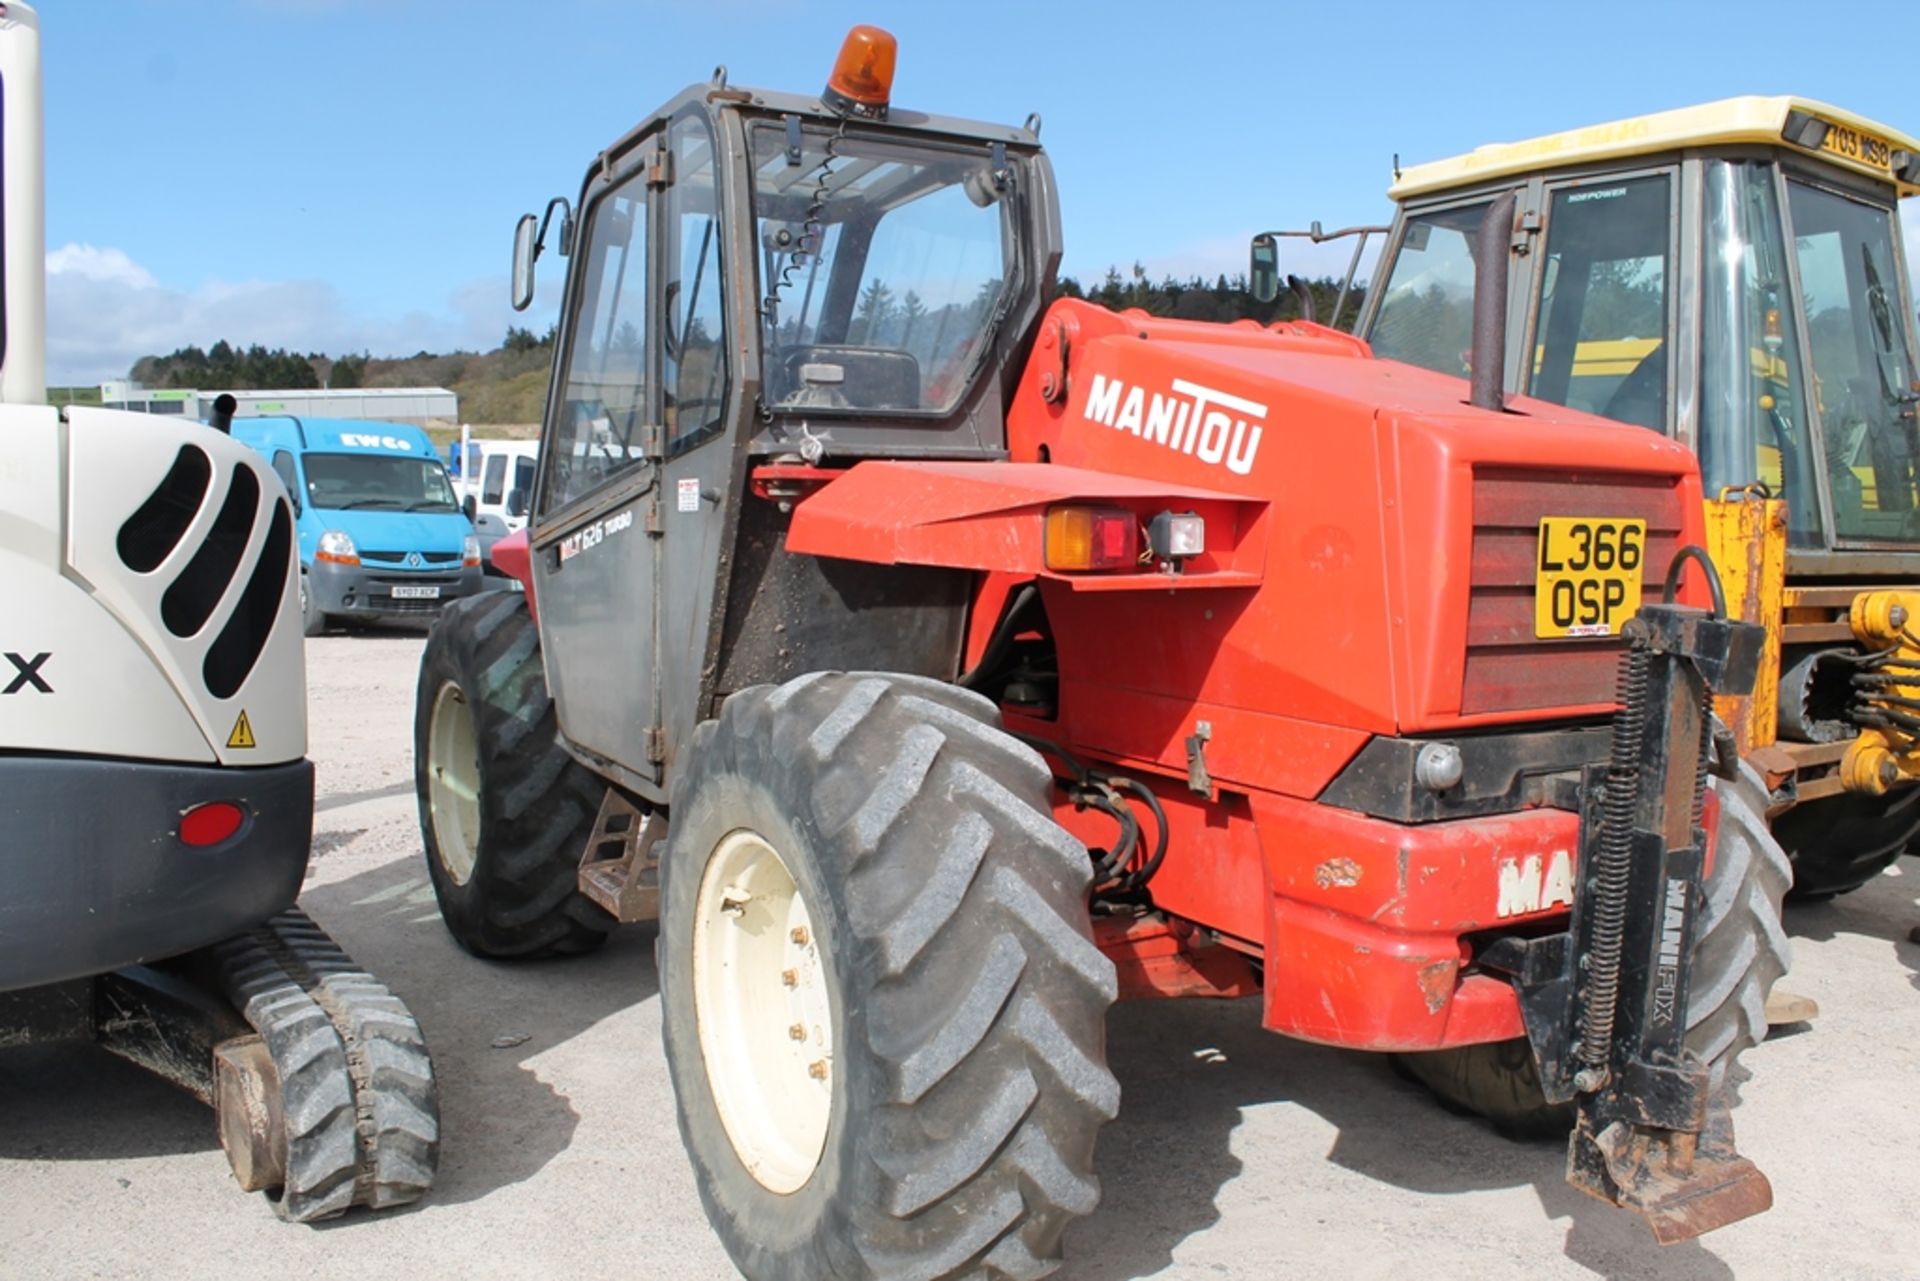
(1237, 1154)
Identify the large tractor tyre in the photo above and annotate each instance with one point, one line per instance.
(884, 1011)
(1738, 953)
(504, 811)
(1841, 842)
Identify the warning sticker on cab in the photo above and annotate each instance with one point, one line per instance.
(242, 735)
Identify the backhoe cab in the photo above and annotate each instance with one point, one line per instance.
(939, 662)
(1732, 276)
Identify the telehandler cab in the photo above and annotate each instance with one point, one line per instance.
(1730, 275)
(941, 661)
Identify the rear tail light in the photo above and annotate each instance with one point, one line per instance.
(1083, 538)
(211, 823)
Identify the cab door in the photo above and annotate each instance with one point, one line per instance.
(595, 567)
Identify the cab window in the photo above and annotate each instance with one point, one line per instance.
(1600, 344)
(1426, 308)
(602, 409)
(494, 482)
(1863, 388)
(884, 267)
(1751, 403)
(694, 375)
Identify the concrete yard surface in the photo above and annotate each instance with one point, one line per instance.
(1237, 1154)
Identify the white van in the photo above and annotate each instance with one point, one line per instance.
(495, 480)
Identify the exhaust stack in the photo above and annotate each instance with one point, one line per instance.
(1491, 248)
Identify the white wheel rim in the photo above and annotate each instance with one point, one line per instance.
(453, 782)
(760, 1001)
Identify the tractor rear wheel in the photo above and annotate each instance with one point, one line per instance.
(1738, 953)
(884, 1011)
(1838, 844)
(504, 811)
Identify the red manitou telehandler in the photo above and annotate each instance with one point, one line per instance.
(939, 662)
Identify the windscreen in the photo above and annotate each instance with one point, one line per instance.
(348, 482)
(884, 266)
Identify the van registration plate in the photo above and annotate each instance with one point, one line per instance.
(415, 591)
(1587, 575)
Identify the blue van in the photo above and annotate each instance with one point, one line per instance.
(381, 534)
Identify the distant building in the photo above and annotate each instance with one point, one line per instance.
(417, 405)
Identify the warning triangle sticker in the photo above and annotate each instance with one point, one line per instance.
(242, 735)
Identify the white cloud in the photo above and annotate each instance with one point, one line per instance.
(98, 264)
(105, 311)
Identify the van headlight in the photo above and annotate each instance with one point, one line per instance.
(470, 554)
(337, 548)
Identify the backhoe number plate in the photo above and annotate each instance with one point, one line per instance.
(1587, 575)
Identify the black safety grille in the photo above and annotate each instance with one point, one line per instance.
(149, 535)
(191, 599)
(232, 655)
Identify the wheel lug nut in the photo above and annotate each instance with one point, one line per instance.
(798, 1031)
(790, 977)
(799, 935)
(817, 1069)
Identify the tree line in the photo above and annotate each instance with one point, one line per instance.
(906, 321)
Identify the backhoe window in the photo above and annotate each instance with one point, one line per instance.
(1862, 381)
(1600, 345)
(1426, 310)
(603, 395)
(1753, 410)
(883, 269)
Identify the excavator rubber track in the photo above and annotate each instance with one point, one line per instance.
(354, 1080)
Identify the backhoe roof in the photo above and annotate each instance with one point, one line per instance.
(1752, 119)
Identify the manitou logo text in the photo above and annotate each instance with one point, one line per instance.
(1211, 425)
(1673, 925)
(1526, 886)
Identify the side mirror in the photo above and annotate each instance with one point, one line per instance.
(516, 502)
(1263, 271)
(525, 236)
(471, 507)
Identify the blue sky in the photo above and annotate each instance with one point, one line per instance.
(343, 175)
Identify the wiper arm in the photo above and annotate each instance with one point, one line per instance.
(431, 502)
(368, 502)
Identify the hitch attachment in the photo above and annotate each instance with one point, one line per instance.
(1606, 1004)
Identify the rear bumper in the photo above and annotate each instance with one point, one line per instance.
(364, 591)
(93, 875)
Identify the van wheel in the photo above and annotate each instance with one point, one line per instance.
(884, 1013)
(312, 621)
(504, 811)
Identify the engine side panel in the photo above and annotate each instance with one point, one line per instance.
(219, 611)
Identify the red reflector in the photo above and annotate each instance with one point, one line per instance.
(211, 823)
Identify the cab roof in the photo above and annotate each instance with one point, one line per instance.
(1849, 141)
(337, 435)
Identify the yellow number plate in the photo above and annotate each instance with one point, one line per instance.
(1587, 575)
(1859, 147)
